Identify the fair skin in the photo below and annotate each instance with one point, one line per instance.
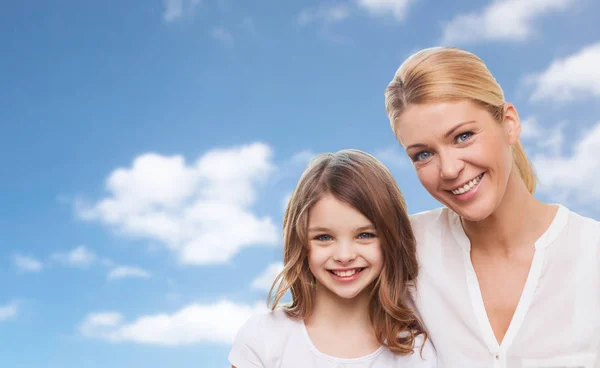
(345, 257)
(463, 158)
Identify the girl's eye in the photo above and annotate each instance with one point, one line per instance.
(323, 237)
(420, 156)
(463, 137)
(366, 235)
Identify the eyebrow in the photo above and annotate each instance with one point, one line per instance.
(320, 228)
(448, 133)
(455, 128)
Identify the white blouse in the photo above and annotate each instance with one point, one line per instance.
(557, 320)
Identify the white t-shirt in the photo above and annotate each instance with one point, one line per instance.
(273, 340)
(557, 321)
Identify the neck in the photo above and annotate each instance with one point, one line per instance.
(517, 215)
(332, 312)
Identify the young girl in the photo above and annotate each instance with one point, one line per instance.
(349, 258)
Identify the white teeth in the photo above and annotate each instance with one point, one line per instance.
(345, 273)
(465, 188)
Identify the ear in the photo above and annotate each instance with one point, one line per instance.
(512, 123)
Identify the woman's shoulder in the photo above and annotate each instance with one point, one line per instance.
(423, 355)
(430, 222)
(427, 353)
(426, 350)
(424, 218)
(573, 227)
(576, 218)
(579, 229)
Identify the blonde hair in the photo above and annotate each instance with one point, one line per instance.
(362, 181)
(450, 74)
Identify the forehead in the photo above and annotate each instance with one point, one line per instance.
(422, 122)
(331, 212)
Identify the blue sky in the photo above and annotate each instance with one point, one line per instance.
(148, 150)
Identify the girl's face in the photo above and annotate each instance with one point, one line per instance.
(345, 254)
(462, 156)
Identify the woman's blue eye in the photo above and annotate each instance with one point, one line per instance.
(323, 237)
(463, 137)
(423, 155)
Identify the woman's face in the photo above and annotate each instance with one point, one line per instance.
(461, 154)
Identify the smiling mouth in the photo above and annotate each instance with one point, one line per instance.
(347, 273)
(468, 186)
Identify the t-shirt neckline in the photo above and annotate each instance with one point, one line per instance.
(336, 359)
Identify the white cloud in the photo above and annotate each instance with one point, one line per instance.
(176, 9)
(502, 20)
(222, 35)
(530, 128)
(396, 8)
(201, 211)
(325, 14)
(8, 311)
(548, 140)
(27, 264)
(121, 272)
(265, 280)
(173, 10)
(393, 156)
(335, 13)
(100, 324)
(286, 200)
(303, 157)
(569, 78)
(574, 175)
(552, 139)
(78, 257)
(194, 324)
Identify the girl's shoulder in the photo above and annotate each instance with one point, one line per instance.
(268, 321)
(255, 341)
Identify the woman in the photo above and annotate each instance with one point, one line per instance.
(505, 280)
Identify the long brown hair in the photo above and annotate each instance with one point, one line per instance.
(440, 74)
(359, 179)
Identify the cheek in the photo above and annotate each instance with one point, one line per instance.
(316, 257)
(377, 257)
(428, 176)
(501, 153)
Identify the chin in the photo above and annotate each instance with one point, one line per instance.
(345, 294)
(473, 216)
(473, 211)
